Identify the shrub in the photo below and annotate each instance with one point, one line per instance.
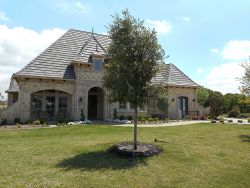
(233, 113)
(221, 120)
(3, 122)
(130, 118)
(142, 119)
(16, 120)
(213, 121)
(121, 118)
(18, 125)
(115, 114)
(27, 122)
(150, 119)
(36, 122)
(156, 119)
(230, 121)
(248, 121)
(240, 121)
(166, 119)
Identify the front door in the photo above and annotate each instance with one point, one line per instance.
(183, 101)
(92, 107)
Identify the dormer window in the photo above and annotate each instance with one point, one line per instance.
(98, 65)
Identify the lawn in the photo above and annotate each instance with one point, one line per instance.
(201, 155)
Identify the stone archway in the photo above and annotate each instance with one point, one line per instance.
(50, 105)
(96, 103)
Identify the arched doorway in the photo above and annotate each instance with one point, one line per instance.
(96, 103)
(50, 105)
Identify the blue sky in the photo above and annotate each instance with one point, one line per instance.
(207, 40)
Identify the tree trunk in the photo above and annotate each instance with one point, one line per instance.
(135, 128)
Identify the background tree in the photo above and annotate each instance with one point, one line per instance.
(203, 96)
(216, 104)
(135, 54)
(245, 80)
(212, 99)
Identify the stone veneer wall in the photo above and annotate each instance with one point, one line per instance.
(173, 105)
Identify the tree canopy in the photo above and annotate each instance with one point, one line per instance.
(134, 58)
(245, 80)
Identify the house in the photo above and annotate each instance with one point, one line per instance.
(65, 81)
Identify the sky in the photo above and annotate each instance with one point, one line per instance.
(207, 39)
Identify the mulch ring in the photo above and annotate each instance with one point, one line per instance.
(143, 150)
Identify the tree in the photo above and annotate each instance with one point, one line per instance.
(203, 96)
(216, 104)
(230, 101)
(245, 80)
(134, 58)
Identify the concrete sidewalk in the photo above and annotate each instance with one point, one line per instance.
(163, 124)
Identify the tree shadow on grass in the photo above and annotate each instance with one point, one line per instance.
(245, 138)
(100, 160)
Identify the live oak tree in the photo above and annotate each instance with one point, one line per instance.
(134, 58)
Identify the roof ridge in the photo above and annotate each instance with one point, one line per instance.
(72, 29)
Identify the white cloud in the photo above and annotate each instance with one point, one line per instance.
(199, 70)
(236, 50)
(3, 16)
(161, 26)
(18, 46)
(74, 7)
(215, 50)
(185, 18)
(223, 77)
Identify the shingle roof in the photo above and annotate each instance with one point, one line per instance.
(170, 75)
(55, 61)
(13, 86)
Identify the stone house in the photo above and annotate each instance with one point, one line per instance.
(65, 81)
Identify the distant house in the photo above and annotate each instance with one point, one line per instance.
(65, 81)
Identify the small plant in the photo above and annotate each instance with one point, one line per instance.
(82, 115)
(115, 114)
(18, 125)
(213, 121)
(221, 120)
(45, 124)
(121, 118)
(130, 118)
(240, 121)
(36, 122)
(248, 120)
(187, 117)
(230, 121)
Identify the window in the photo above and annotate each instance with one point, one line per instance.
(50, 105)
(98, 65)
(122, 105)
(62, 104)
(37, 103)
(142, 108)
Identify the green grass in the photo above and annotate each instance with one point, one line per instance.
(201, 155)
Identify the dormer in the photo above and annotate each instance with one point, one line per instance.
(91, 56)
